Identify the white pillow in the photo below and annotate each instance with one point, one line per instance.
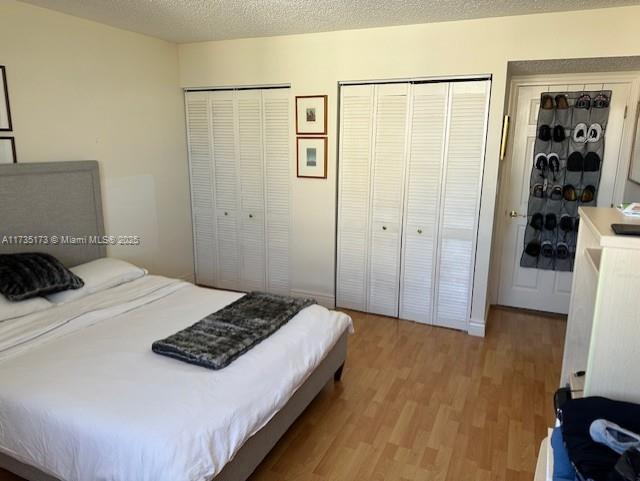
(12, 309)
(99, 275)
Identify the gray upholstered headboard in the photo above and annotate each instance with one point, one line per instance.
(52, 199)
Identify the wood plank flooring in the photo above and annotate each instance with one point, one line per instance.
(424, 403)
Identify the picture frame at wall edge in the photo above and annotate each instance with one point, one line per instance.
(4, 102)
(11, 150)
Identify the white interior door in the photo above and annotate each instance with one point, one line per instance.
(251, 190)
(226, 186)
(422, 200)
(356, 124)
(387, 186)
(276, 115)
(201, 177)
(460, 205)
(535, 288)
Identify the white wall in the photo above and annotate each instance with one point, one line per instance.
(314, 63)
(631, 192)
(80, 90)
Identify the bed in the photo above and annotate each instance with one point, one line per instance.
(83, 396)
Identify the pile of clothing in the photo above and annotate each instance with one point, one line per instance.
(598, 440)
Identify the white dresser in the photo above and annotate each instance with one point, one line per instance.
(603, 330)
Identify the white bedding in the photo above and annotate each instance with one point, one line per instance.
(83, 397)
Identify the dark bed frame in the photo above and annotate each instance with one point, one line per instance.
(64, 198)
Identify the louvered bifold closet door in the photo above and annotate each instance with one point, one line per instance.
(226, 187)
(251, 190)
(276, 114)
(356, 124)
(422, 200)
(464, 160)
(201, 177)
(387, 186)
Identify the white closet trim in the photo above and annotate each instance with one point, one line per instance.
(237, 87)
(456, 78)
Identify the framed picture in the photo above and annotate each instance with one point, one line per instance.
(311, 115)
(5, 110)
(8, 150)
(312, 157)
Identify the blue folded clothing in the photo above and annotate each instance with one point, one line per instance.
(562, 467)
(593, 460)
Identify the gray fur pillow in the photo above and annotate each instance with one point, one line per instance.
(27, 275)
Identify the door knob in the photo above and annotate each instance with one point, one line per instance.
(226, 213)
(384, 227)
(419, 231)
(513, 214)
(251, 216)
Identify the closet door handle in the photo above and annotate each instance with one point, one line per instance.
(250, 216)
(419, 231)
(226, 213)
(384, 227)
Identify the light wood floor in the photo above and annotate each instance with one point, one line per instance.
(424, 403)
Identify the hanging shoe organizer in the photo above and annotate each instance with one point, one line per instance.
(567, 162)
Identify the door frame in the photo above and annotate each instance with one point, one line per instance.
(624, 157)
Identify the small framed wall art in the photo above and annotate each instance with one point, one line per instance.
(5, 110)
(311, 115)
(8, 150)
(312, 157)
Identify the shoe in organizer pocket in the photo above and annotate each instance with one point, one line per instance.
(591, 162)
(533, 248)
(550, 221)
(555, 192)
(562, 250)
(538, 191)
(546, 103)
(553, 164)
(547, 250)
(588, 194)
(541, 163)
(537, 221)
(567, 223)
(562, 103)
(569, 193)
(594, 133)
(559, 133)
(579, 134)
(547, 255)
(575, 162)
(544, 133)
(583, 102)
(600, 101)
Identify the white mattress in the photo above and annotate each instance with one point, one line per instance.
(83, 397)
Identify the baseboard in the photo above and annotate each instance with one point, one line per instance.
(323, 299)
(189, 277)
(476, 328)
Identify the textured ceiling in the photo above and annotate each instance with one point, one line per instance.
(198, 20)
